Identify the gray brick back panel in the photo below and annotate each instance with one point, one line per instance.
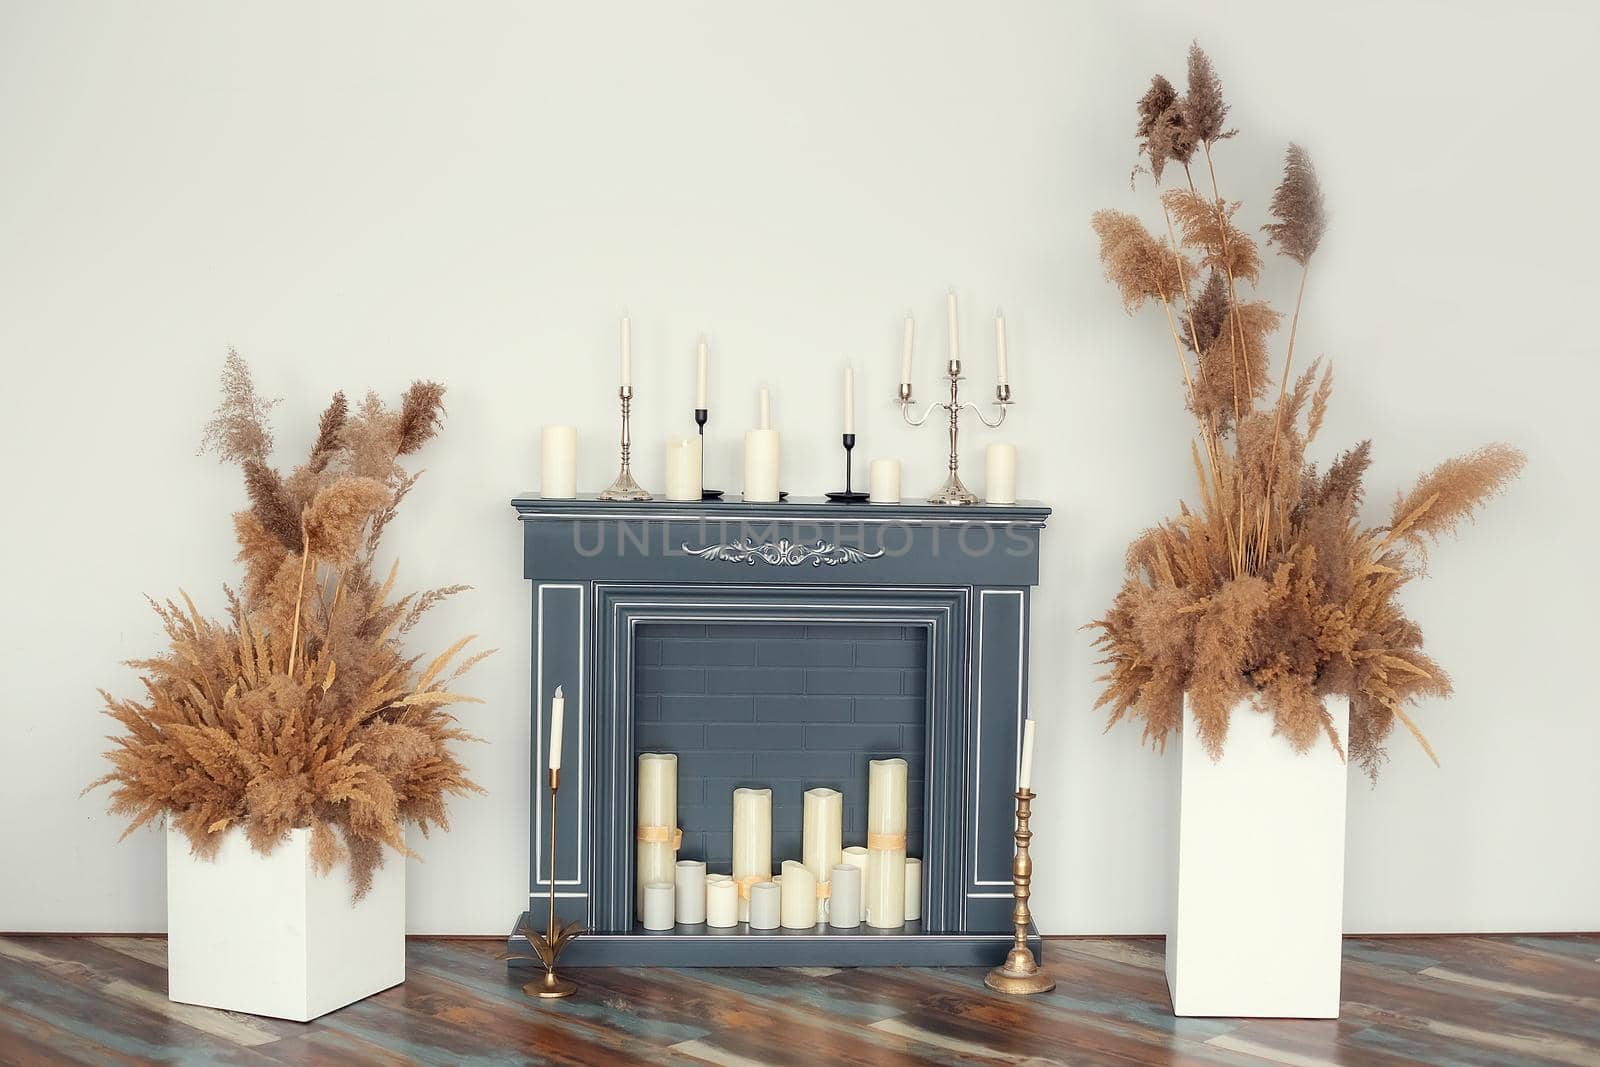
(785, 707)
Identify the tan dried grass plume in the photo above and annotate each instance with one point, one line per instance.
(1297, 204)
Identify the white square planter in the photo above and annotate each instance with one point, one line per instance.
(268, 935)
(1259, 908)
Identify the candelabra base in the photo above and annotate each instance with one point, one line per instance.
(1019, 983)
(551, 987)
(953, 492)
(847, 497)
(625, 488)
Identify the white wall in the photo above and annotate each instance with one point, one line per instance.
(358, 196)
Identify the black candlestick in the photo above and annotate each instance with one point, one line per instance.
(700, 417)
(848, 496)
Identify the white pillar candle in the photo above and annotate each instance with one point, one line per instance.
(627, 352)
(658, 905)
(1000, 345)
(683, 467)
(844, 896)
(1000, 474)
(856, 856)
(955, 330)
(822, 823)
(799, 896)
(1025, 773)
(913, 909)
(689, 899)
(722, 901)
(885, 887)
(700, 384)
(752, 841)
(905, 350)
(883, 481)
(849, 400)
(558, 462)
(656, 823)
(558, 714)
(761, 458)
(766, 906)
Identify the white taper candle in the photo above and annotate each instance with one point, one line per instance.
(627, 353)
(700, 388)
(905, 352)
(1000, 344)
(1025, 775)
(955, 329)
(558, 712)
(849, 400)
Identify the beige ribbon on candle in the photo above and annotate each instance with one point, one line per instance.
(888, 842)
(748, 880)
(824, 890)
(660, 835)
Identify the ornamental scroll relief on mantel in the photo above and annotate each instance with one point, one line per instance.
(784, 553)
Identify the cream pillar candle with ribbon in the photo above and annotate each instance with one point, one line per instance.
(722, 901)
(883, 481)
(683, 467)
(913, 908)
(885, 887)
(822, 825)
(656, 827)
(844, 896)
(856, 856)
(657, 907)
(799, 896)
(752, 842)
(1000, 474)
(558, 463)
(689, 901)
(766, 906)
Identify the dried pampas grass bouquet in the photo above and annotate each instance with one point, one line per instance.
(299, 708)
(1271, 590)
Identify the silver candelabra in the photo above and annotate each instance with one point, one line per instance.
(625, 488)
(952, 491)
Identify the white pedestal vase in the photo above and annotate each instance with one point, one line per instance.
(268, 935)
(1259, 897)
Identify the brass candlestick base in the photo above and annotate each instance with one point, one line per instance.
(547, 944)
(1021, 973)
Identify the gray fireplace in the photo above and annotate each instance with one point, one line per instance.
(781, 645)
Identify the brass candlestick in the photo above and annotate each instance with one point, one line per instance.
(547, 944)
(625, 488)
(1021, 973)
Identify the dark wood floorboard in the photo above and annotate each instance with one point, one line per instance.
(1489, 1001)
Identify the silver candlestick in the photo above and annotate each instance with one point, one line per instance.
(625, 488)
(952, 491)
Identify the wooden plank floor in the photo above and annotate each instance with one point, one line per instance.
(1491, 1001)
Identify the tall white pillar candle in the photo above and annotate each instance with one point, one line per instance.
(885, 889)
(766, 906)
(627, 352)
(1025, 773)
(558, 462)
(700, 383)
(689, 899)
(883, 481)
(913, 908)
(844, 896)
(849, 400)
(856, 856)
(752, 841)
(1000, 474)
(656, 823)
(558, 714)
(905, 350)
(761, 464)
(822, 824)
(1000, 345)
(722, 901)
(799, 896)
(658, 905)
(955, 330)
(683, 467)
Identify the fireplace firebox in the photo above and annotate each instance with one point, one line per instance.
(784, 646)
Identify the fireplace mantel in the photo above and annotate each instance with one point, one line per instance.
(601, 570)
